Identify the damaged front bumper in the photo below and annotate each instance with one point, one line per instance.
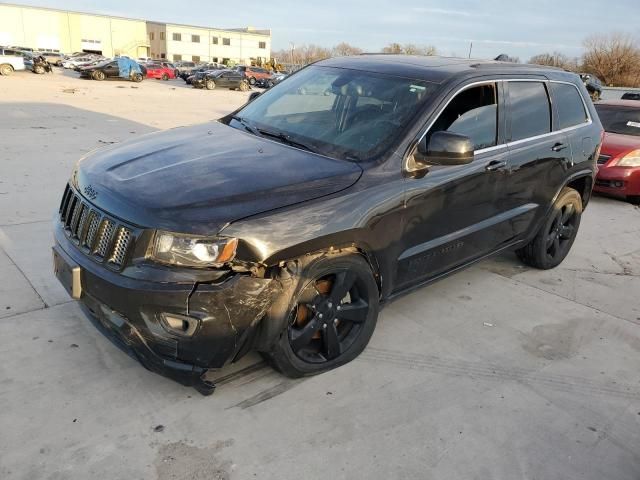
(133, 312)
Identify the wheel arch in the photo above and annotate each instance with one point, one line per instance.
(582, 182)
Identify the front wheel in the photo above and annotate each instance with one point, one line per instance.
(136, 77)
(554, 240)
(210, 85)
(6, 69)
(98, 75)
(252, 81)
(165, 77)
(39, 69)
(244, 86)
(329, 319)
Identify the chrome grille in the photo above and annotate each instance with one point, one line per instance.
(602, 159)
(120, 246)
(107, 227)
(98, 235)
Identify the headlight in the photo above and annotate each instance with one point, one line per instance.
(193, 251)
(631, 159)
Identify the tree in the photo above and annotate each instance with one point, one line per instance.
(555, 59)
(410, 49)
(343, 49)
(614, 58)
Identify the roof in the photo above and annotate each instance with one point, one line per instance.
(436, 69)
(620, 103)
(105, 15)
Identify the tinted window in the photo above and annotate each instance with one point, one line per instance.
(619, 119)
(473, 113)
(324, 108)
(569, 104)
(530, 110)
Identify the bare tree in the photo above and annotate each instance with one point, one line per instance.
(343, 49)
(410, 49)
(614, 58)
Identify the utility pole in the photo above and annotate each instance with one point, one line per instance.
(293, 46)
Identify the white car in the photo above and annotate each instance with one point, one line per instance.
(80, 62)
(10, 63)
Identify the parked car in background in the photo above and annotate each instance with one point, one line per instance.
(270, 82)
(631, 96)
(593, 84)
(78, 62)
(113, 69)
(253, 74)
(184, 67)
(619, 161)
(220, 79)
(11, 63)
(53, 58)
(284, 226)
(157, 70)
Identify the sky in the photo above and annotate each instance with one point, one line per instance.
(515, 27)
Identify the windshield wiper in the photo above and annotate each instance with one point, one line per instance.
(285, 138)
(247, 125)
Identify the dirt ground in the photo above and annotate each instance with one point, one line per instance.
(497, 372)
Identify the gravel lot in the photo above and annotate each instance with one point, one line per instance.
(498, 372)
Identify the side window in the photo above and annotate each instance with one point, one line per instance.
(474, 113)
(569, 105)
(530, 110)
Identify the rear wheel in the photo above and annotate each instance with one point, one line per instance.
(252, 81)
(210, 85)
(330, 319)
(554, 240)
(136, 77)
(39, 69)
(6, 69)
(244, 86)
(98, 75)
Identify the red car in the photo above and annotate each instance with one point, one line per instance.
(619, 161)
(161, 71)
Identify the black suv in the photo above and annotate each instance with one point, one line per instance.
(284, 226)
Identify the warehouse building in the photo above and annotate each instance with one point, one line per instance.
(66, 31)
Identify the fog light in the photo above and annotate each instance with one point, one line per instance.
(179, 324)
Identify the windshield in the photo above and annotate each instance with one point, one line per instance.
(619, 119)
(337, 112)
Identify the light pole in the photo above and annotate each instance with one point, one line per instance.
(293, 46)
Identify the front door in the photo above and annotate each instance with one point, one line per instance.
(455, 214)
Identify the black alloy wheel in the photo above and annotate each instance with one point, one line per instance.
(323, 320)
(554, 240)
(252, 81)
(561, 232)
(328, 317)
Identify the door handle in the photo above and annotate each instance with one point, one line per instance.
(496, 165)
(559, 147)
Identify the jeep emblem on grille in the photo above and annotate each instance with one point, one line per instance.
(90, 192)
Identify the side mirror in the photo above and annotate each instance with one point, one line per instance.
(253, 96)
(445, 148)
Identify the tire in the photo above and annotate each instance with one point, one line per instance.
(312, 334)
(136, 77)
(98, 75)
(165, 77)
(6, 69)
(244, 86)
(38, 69)
(634, 199)
(210, 85)
(252, 81)
(552, 243)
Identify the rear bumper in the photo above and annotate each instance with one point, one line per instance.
(130, 312)
(618, 181)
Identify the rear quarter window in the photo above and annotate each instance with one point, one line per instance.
(530, 110)
(569, 105)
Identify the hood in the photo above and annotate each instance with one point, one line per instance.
(197, 179)
(616, 144)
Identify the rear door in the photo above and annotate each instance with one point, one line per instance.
(539, 155)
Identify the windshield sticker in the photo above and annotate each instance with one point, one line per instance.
(417, 88)
(633, 124)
